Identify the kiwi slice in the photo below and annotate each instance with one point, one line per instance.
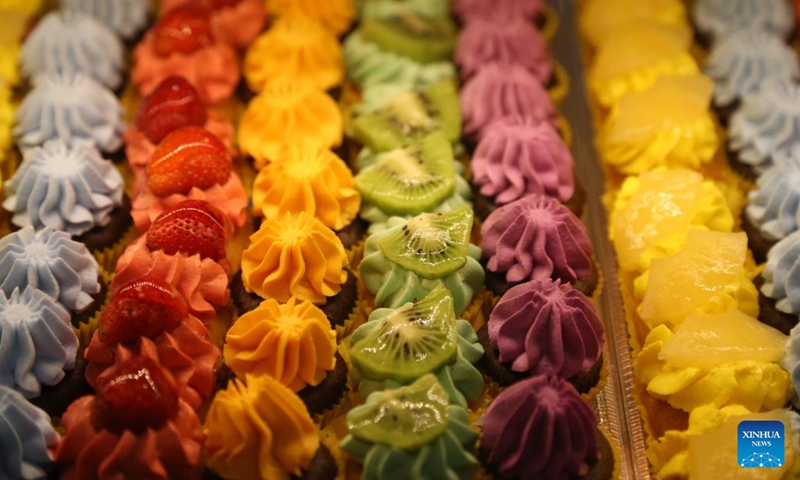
(418, 37)
(411, 115)
(432, 245)
(413, 340)
(412, 179)
(407, 418)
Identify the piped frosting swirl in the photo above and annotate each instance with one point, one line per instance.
(126, 17)
(336, 15)
(718, 17)
(27, 437)
(791, 362)
(781, 274)
(503, 10)
(775, 203)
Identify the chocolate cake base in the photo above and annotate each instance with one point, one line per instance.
(497, 284)
(120, 222)
(758, 243)
(769, 315)
(322, 467)
(328, 393)
(57, 398)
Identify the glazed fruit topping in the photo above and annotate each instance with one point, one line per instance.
(173, 104)
(145, 307)
(184, 29)
(192, 227)
(135, 395)
(218, 4)
(186, 158)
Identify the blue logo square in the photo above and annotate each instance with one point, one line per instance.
(761, 444)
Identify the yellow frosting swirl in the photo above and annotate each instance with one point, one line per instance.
(305, 178)
(25, 7)
(295, 49)
(288, 114)
(600, 18)
(6, 120)
(292, 342)
(9, 55)
(335, 15)
(294, 256)
(260, 429)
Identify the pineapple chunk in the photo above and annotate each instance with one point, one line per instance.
(600, 18)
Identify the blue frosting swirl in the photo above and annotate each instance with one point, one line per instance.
(126, 17)
(767, 125)
(791, 362)
(774, 205)
(25, 435)
(717, 17)
(52, 262)
(782, 274)
(70, 108)
(38, 341)
(66, 188)
(72, 42)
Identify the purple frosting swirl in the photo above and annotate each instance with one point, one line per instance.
(540, 428)
(536, 237)
(499, 90)
(499, 10)
(518, 157)
(517, 42)
(546, 328)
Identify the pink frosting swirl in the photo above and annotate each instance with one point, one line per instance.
(186, 352)
(230, 198)
(499, 90)
(498, 10)
(203, 283)
(546, 328)
(519, 156)
(238, 24)
(564, 443)
(536, 237)
(517, 42)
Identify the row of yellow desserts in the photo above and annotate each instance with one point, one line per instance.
(702, 360)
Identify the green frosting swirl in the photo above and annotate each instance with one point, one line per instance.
(368, 65)
(450, 456)
(461, 380)
(394, 286)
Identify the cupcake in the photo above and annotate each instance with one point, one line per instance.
(72, 189)
(136, 424)
(388, 351)
(85, 110)
(335, 15)
(741, 61)
(537, 237)
(69, 42)
(518, 156)
(715, 18)
(287, 114)
(388, 8)
(568, 443)
(503, 10)
(126, 17)
(259, 428)
(780, 302)
(295, 49)
(411, 258)
(762, 131)
(31, 439)
(236, 22)
(600, 18)
(293, 343)
(500, 90)
(791, 363)
(411, 429)
(148, 317)
(183, 43)
(174, 103)
(544, 327)
(196, 150)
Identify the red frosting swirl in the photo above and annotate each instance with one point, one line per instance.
(203, 283)
(536, 237)
(186, 352)
(517, 42)
(546, 328)
(171, 452)
(499, 90)
(499, 10)
(519, 156)
(540, 428)
(238, 24)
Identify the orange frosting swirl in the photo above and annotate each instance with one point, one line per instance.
(307, 179)
(293, 342)
(295, 49)
(336, 15)
(230, 198)
(171, 452)
(294, 256)
(259, 430)
(288, 114)
(203, 283)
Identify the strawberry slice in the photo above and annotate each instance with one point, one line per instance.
(187, 157)
(218, 4)
(135, 395)
(173, 104)
(192, 227)
(183, 29)
(145, 307)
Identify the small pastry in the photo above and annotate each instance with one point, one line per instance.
(31, 439)
(598, 19)
(126, 17)
(237, 22)
(715, 18)
(336, 15)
